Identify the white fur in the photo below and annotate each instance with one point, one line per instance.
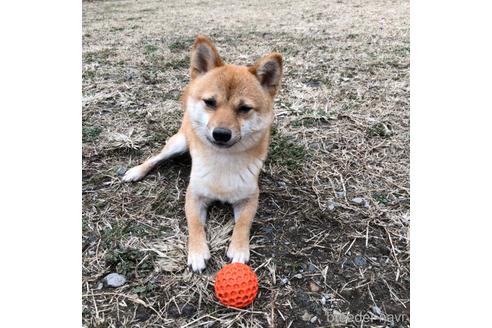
(136, 173)
(175, 145)
(255, 124)
(238, 255)
(198, 259)
(199, 118)
(225, 177)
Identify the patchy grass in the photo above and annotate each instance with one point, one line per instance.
(90, 133)
(181, 45)
(100, 56)
(380, 130)
(178, 63)
(131, 262)
(150, 49)
(341, 133)
(285, 152)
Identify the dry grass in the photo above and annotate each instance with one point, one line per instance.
(341, 132)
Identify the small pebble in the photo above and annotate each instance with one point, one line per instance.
(314, 287)
(114, 280)
(376, 310)
(298, 276)
(313, 319)
(323, 300)
(360, 260)
(340, 194)
(284, 281)
(120, 171)
(313, 84)
(331, 205)
(306, 316)
(360, 201)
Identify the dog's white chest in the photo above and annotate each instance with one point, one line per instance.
(224, 177)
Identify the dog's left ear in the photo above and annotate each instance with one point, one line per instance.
(268, 71)
(204, 57)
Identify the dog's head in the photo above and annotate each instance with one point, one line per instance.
(230, 106)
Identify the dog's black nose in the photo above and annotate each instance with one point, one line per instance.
(222, 134)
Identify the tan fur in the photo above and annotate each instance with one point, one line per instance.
(238, 99)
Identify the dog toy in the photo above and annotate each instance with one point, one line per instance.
(236, 285)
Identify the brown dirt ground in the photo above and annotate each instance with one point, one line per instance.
(341, 132)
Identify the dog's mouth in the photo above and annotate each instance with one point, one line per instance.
(224, 145)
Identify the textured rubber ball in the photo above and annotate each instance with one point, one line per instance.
(236, 285)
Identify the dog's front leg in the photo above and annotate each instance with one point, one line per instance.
(174, 146)
(196, 216)
(244, 212)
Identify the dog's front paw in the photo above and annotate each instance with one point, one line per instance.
(136, 173)
(198, 254)
(238, 252)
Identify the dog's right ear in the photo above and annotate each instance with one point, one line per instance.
(204, 57)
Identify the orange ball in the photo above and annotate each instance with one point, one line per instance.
(236, 285)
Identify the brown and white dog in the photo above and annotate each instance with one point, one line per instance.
(226, 128)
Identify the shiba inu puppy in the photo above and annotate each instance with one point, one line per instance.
(226, 128)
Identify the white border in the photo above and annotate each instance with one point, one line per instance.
(40, 103)
(41, 167)
(450, 163)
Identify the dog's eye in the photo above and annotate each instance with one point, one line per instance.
(244, 108)
(211, 102)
